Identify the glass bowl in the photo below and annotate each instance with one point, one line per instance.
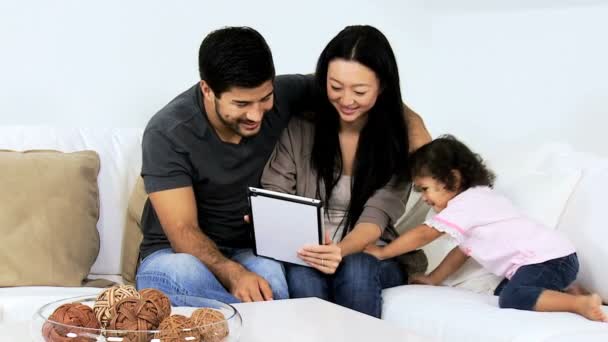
(41, 325)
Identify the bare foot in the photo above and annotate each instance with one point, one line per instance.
(590, 306)
(577, 290)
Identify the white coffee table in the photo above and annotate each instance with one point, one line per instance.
(292, 320)
(315, 320)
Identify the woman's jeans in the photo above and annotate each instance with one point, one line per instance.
(357, 283)
(529, 281)
(181, 275)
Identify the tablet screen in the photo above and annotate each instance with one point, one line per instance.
(283, 223)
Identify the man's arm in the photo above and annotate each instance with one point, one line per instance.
(417, 132)
(296, 92)
(176, 211)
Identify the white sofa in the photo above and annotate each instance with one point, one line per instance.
(447, 314)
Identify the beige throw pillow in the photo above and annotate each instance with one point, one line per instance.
(49, 207)
(133, 236)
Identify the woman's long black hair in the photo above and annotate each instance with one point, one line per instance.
(382, 151)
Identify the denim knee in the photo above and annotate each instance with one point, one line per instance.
(272, 271)
(164, 271)
(359, 268)
(519, 297)
(356, 284)
(275, 276)
(179, 274)
(307, 282)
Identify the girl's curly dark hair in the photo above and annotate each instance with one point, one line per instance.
(438, 158)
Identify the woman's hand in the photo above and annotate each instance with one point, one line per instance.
(325, 258)
(422, 280)
(376, 251)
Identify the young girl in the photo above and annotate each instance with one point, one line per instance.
(539, 263)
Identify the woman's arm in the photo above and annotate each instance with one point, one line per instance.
(407, 242)
(417, 132)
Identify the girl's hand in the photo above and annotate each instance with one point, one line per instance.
(326, 258)
(422, 280)
(376, 251)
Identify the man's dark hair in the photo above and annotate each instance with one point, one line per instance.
(382, 150)
(438, 158)
(235, 57)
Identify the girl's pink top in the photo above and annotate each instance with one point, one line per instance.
(489, 228)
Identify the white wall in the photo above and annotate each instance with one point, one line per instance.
(115, 63)
(510, 74)
(497, 73)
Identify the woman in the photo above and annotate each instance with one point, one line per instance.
(354, 157)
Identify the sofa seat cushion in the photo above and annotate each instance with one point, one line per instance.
(452, 314)
(21, 303)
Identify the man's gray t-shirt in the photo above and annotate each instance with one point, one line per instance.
(180, 149)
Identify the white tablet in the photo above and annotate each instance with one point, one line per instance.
(283, 223)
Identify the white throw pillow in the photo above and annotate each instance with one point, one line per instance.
(541, 195)
(584, 222)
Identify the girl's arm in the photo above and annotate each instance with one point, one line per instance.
(356, 240)
(410, 241)
(450, 264)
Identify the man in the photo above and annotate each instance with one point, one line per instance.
(200, 153)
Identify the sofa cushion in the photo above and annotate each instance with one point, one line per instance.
(133, 235)
(48, 217)
(21, 303)
(541, 194)
(584, 222)
(451, 314)
(119, 150)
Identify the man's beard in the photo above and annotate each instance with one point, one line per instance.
(233, 126)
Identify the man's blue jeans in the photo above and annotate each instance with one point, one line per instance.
(357, 283)
(181, 275)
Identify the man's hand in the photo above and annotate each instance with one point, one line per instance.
(422, 280)
(249, 287)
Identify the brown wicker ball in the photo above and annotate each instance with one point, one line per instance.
(108, 298)
(134, 314)
(160, 299)
(75, 315)
(177, 328)
(210, 323)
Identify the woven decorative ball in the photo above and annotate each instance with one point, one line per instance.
(108, 298)
(160, 299)
(134, 314)
(177, 328)
(210, 323)
(75, 315)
